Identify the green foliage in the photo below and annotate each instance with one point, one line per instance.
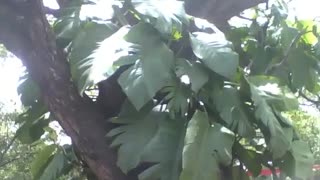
(152, 71)
(277, 140)
(15, 158)
(205, 147)
(308, 128)
(57, 165)
(33, 121)
(143, 136)
(198, 75)
(200, 100)
(231, 109)
(302, 159)
(215, 52)
(165, 20)
(3, 52)
(41, 160)
(83, 69)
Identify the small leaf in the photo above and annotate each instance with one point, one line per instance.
(178, 95)
(214, 50)
(196, 72)
(204, 148)
(280, 14)
(29, 92)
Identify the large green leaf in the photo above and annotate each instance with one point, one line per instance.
(298, 163)
(278, 142)
(261, 60)
(195, 71)
(55, 167)
(30, 132)
(302, 67)
(278, 96)
(66, 29)
(152, 71)
(288, 35)
(303, 159)
(87, 70)
(205, 147)
(231, 109)
(250, 158)
(214, 50)
(52, 162)
(33, 122)
(165, 15)
(41, 160)
(151, 138)
(67, 26)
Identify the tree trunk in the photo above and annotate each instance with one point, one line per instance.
(25, 31)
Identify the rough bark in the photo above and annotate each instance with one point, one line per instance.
(25, 32)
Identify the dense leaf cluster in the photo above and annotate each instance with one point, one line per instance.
(199, 101)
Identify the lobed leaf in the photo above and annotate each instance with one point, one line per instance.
(205, 148)
(150, 138)
(41, 160)
(86, 69)
(215, 52)
(278, 142)
(152, 71)
(55, 167)
(232, 111)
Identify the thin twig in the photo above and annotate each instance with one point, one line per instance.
(246, 18)
(315, 102)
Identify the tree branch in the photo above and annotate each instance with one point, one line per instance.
(26, 33)
(315, 102)
(53, 12)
